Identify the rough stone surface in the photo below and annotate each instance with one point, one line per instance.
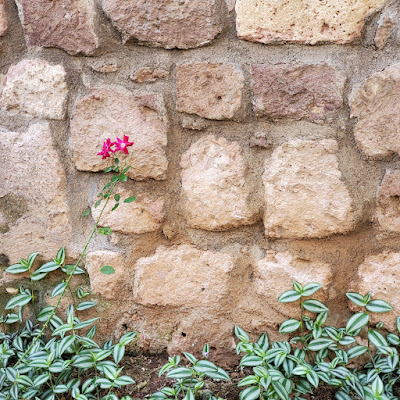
(182, 276)
(67, 24)
(105, 67)
(167, 23)
(274, 274)
(375, 105)
(230, 4)
(388, 203)
(211, 90)
(33, 197)
(110, 112)
(304, 194)
(109, 286)
(194, 123)
(3, 18)
(296, 91)
(35, 88)
(380, 275)
(141, 216)
(214, 190)
(303, 21)
(148, 75)
(384, 31)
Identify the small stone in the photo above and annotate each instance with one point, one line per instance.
(259, 140)
(109, 286)
(3, 18)
(201, 276)
(296, 91)
(69, 25)
(148, 75)
(140, 216)
(214, 189)
(12, 291)
(383, 32)
(304, 194)
(375, 105)
(230, 4)
(168, 23)
(303, 21)
(211, 90)
(33, 198)
(388, 202)
(35, 88)
(194, 123)
(111, 112)
(104, 67)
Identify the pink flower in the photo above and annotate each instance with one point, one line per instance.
(123, 144)
(107, 147)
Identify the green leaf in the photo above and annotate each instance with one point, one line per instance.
(85, 305)
(84, 324)
(289, 296)
(18, 301)
(313, 378)
(119, 351)
(249, 380)
(376, 338)
(356, 322)
(130, 199)
(45, 314)
(48, 267)
(280, 390)
(342, 396)
(315, 306)
(179, 373)
(17, 269)
(58, 289)
(250, 393)
(357, 299)
(218, 374)
(61, 255)
(115, 207)
(190, 357)
(377, 386)
(250, 360)
(398, 323)
(104, 231)
(124, 380)
(393, 339)
(65, 344)
(298, 287)
(356, 351)
(241, 334)
(310, 289)
(379, 306)
(107, 270)
(31, 258)
(289, 326)
(117, 197)
(320, 344)
(98, 202)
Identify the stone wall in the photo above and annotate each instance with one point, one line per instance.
(266, 149)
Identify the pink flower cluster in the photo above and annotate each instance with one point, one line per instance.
(120, 145)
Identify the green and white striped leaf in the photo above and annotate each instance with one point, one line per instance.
(289, 326)
(203, 366)
(17, 269)
(376, 338)
(11, 318)
(84, 324)
(298, 287)
(179, 373)
(241, 334)
(218, 374)
(313, 378)
(342, 396)
(289, 296)
(119, 352)
(65, 344)
(58, 289)
(356, 351)
(320, 344)
(315, 306)
(356, 322)
(250, 393)
(85, 305)
(393, 339)
(250, 360)
(377, 386)
(379, 306)
(45, 314)
(48, 267)
(18, 301)
(280, 390)
(310, 289)
(124, 380)
(39, 380)
(263, 342)
(357, 299)
(249, 380)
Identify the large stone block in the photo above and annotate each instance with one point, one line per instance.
(182, 276)
(214, 189)
(305, 196)
(376, 105)
(3, 18)
(388, 204)
(303, 21)
(165, 23)
(296, 91)
(113, 111)
(35, 88)
(211, 90)
(141, 216)
(33, 195)
(67, 24)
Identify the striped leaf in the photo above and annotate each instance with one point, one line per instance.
(241, 334)
(377, 386)
(118, 353)
(315, 306)
(376, 338)
(393, 339)
(250, 360)
(249, 380)
(179, 373)
(65, 344)
(289, 326)
(379, 306)
(218, 374)
(45, 313)
(289, 296)
(356, 322)
(18, 301)
(298, 287)
(58, 289)
(85, 305)
(320, 344)
(203, 366)
(313, 378)
(84, 324)
(48, 267)
(250, 393)
(280, 390)
(124, 380)
(341, 395)
(356, 351)
(17, 268)
(310, 289)
(263, 341)
(357, 299)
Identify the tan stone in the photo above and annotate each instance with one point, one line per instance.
(36, 88)
(303, 21)
(3, 18)
(375, 104)
(388, 203)
(104, 67)
(167, 23)
(304, 194)
(194, 123)
(380, 275)
(182, 276)
(296, 91)
(111, 286)
(214, 189)
(148, 75)
(384, 31)
(33, 197)
(67, 24)
(230, 4)
(141, 216)
(113, 111)
(211, 90)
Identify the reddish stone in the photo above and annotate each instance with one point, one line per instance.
(67, 24)
(165, 23)
(3, 18)
(310, 92)
(146, 74)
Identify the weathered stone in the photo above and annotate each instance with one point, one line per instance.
(211, 90)
(296, 91)
(33, 196)
(304, 194)
(214, 189)
(146, 75)
(36, 88)
(109, 286)
(388, 202)
(67, 24)
(104, 67)
(3, 18)
(230, 4)
(384, 31)
(194, 123)
(303, 21)
(141, 216)
(182, 276)
(375, 105)
(167, 23)
(259, 140)
(110, 112)
(380, 275)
